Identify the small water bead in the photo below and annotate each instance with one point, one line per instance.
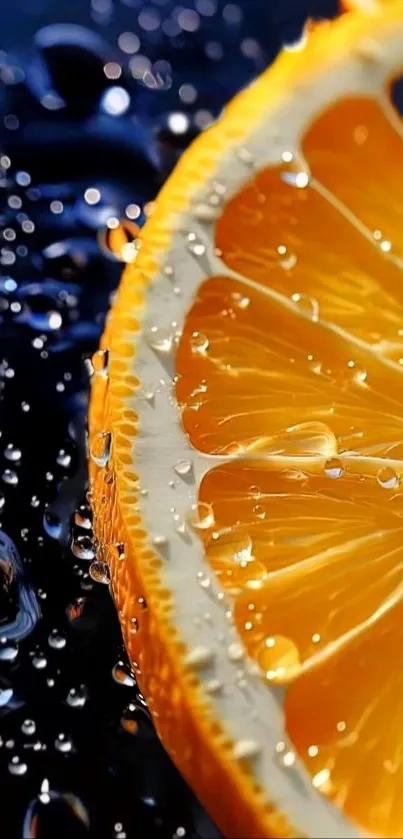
(5, 695)
(295, 176)
(63, 743)
(35, 501)
(120, 550)
(77, 697)
(63, 458)
(56, 640)
(10, 477)
(17, 766)
(334, 468)
(199, 343)
(12, 453)
(387, 478)
(39, 661)
(160, 340)
(83, 547)
(195, 245)
(286, 260)
(99, 572)
(8, 650)
(100, 363)
(309, 306)
(259, 511)
(83, 517)
(100, 448)
(122, 675)
(184, 468)
(28, 727)
(279, 658)
(201, 516)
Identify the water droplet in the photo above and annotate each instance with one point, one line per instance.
(52, 525)
(160, 340)
(99, 572)
(199, 343)
(286, 259)
(387, 478)
(83, 547)
(8, 650)
(10, 477)
(63, 458)
(334, 468)
(39, 661)
(100, 448)
(83, 517)
(201, 516)
(321, 780)
(77, 697)
(17, 766)
(296, 177)
(5, 696)
(309, 306)
(184, 468)
(245, 749)
(122, 675)
(195, 245)
(235, 652)
(120, 550)
(28, 727)
(63, 743)
(259, 511)
(12, 453)
(56, 640)
(200, 656)
(239, 300)
(100, 363)
(279, 658)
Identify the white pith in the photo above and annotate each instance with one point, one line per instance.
(248, 708)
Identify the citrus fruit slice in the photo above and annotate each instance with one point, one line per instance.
(246, 442)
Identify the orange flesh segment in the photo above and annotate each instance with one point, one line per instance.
(310, 550)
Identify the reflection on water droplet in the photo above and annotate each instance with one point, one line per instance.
(63, 458)
(99, 572)
(201, 516)
(52, 525)
(28, 727)
(309, 306)
(198, 342)
(334, 468)
(77, 697)
(5, 696)
(100, 448)
(387, 478)
(183, 468)
(10, 477)
(39, 661)
(83, 547)
(17, 766)
(8, 650)
(122, 675)
(279, 658)
(63, 743)
(195, 246)
(100, 363)
(83, 517)
(56, 640)
(160, 340)
(286, 260)
(12, 453)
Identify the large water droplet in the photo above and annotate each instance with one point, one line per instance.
(122, 675)
(309, 306)
(100, 448)
(12, 453)
(10, 477)
(17, 766)
(199, 343)
(387, 478)
(99, 572)
(279, 658)
(334, 468)
(56, 640)
(83, 517)
(28, 727)
(160, 340)
(83, 547)
(201, 516)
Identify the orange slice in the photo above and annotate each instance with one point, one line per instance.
(246, 441)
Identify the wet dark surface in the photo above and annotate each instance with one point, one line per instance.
(97, 102)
